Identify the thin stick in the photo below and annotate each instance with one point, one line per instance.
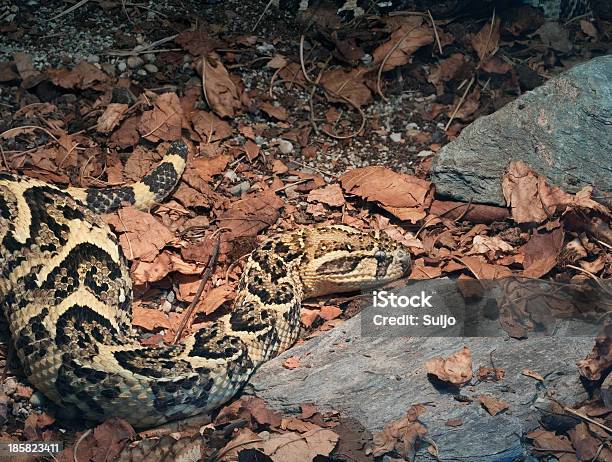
(204, 81)
(308, 79)
(587, 418)
(76, 445)
(69, 10)
(205, 276)
(268, 5)
(433, 24)
(459, 104)
(384, 61)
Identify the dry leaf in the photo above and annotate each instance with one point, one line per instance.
(222, 93)
(347, 84)
(402, 44)
(215, 298)
(112, 117)
(330, 195)
(207, 167)
(150, 319)
(405, 196)
(249, 216)
(293, 362)
(486, 41)
(277, 112)
(493, 405)
(164, 121)
(541, 252)
(532, 374)
(401, 436)
(456, 369)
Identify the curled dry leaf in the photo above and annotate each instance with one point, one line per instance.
(549, 442)
(541, 252)
(456, 369)
(277, 112)
(532, 199)
(493, 405)
(484, 271)
(207, 167)
(293, 362)
(163, 264)
(83, 76)
(150, 319)
(330, 195)
(405, 196)
(104, 443)
(598, 360)
(532, 374)
(210, 127)
(348, 84)
(111, 117)
(164, 121)
(222, 93)
(408, 38)
(249, 216)
(485, 244)
(486, 41)
(448, 69)
(215, 298)
(141, 236)
(401, 435)
(252, 409)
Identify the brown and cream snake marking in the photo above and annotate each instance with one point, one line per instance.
(66, 293)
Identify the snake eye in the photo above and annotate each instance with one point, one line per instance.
(380, 255)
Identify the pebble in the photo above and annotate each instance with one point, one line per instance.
(171, 296)
(166, 306)
(134, 61)
(93, 59)
(152, 68)
(425, 153)
(10, 386)
(240, 188)
(285, 146)
(37, 399)
(231, 175)
(141, 72)
(396, 137)
(265, 48)
(150, 57)
(121, 66)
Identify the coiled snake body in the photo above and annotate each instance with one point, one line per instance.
(66, 292)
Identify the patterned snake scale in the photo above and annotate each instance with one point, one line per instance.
(66, 293)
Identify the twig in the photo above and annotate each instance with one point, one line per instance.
(459, 104)
(69, 10)
(204, 81)
(433, 24)
(8, 132)
(282, 188)
(268, 5)
(78, 442)
(196, 298)
(592, 276)
(587, 418)
(308, 79)
(384, 61)
(6, 165)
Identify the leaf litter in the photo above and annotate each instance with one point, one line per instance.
(240, 183)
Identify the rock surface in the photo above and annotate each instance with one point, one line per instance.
(562, 129)
(375, 381)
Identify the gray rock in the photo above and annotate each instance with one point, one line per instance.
(562, 129)
(37, 399)
(152, 68)
(134, 62)
(375, 380)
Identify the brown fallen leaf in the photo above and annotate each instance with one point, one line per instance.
(83, 76)
(532, 374)
(164, 121)
(486, 40)
(252, 409)
(104, 443)
(249, 216)
(486, 244)
(293, 362)
(486, 374)
(404, 41)
(150, 319)
(599, 359)
(330, 312)
(454, 422)
(401, 435)
(493, 405)
(277, 112)
(166, 262)
(207, 167)
(349, 84)
(222, 93)
(456, 369)
(448, 69)
(215, 298)
(541, 252)
(330, 195)
(549, 443)
(484, 271)
(210, 127)
(141, 236)
(586, 445)
(111, 117)
(532, 199)
(405, 196)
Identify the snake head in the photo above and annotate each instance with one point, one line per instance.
(344, 259)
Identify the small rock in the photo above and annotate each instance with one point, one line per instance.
(150, 57)
(121, 66)
(141, 72)
(231, 175)
(171, 296)
(93, 59)
(240, 188)
(134, 62)
(37, 399)
(265, 48)
(10, 386)
(285, 146)
(152, 68)
(396, 137)
(166, 306)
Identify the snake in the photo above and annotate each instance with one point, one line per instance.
(66, 293)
